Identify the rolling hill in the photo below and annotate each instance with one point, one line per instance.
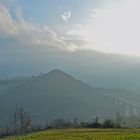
(60, 95)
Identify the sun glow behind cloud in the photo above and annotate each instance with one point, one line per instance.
(114, 29)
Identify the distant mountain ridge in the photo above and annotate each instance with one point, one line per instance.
(60, 95)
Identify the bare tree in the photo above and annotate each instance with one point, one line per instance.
(18, 121)
(25, 120)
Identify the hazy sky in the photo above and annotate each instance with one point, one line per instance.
(38, 35)
(104, 25)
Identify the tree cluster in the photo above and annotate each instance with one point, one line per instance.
(20, 122)
(108, 123)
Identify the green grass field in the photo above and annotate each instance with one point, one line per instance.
(82, 134)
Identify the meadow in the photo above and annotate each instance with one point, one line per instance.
(81, 134)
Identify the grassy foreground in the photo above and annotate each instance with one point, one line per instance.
(81, 134)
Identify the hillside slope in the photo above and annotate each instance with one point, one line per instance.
(59, 95)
